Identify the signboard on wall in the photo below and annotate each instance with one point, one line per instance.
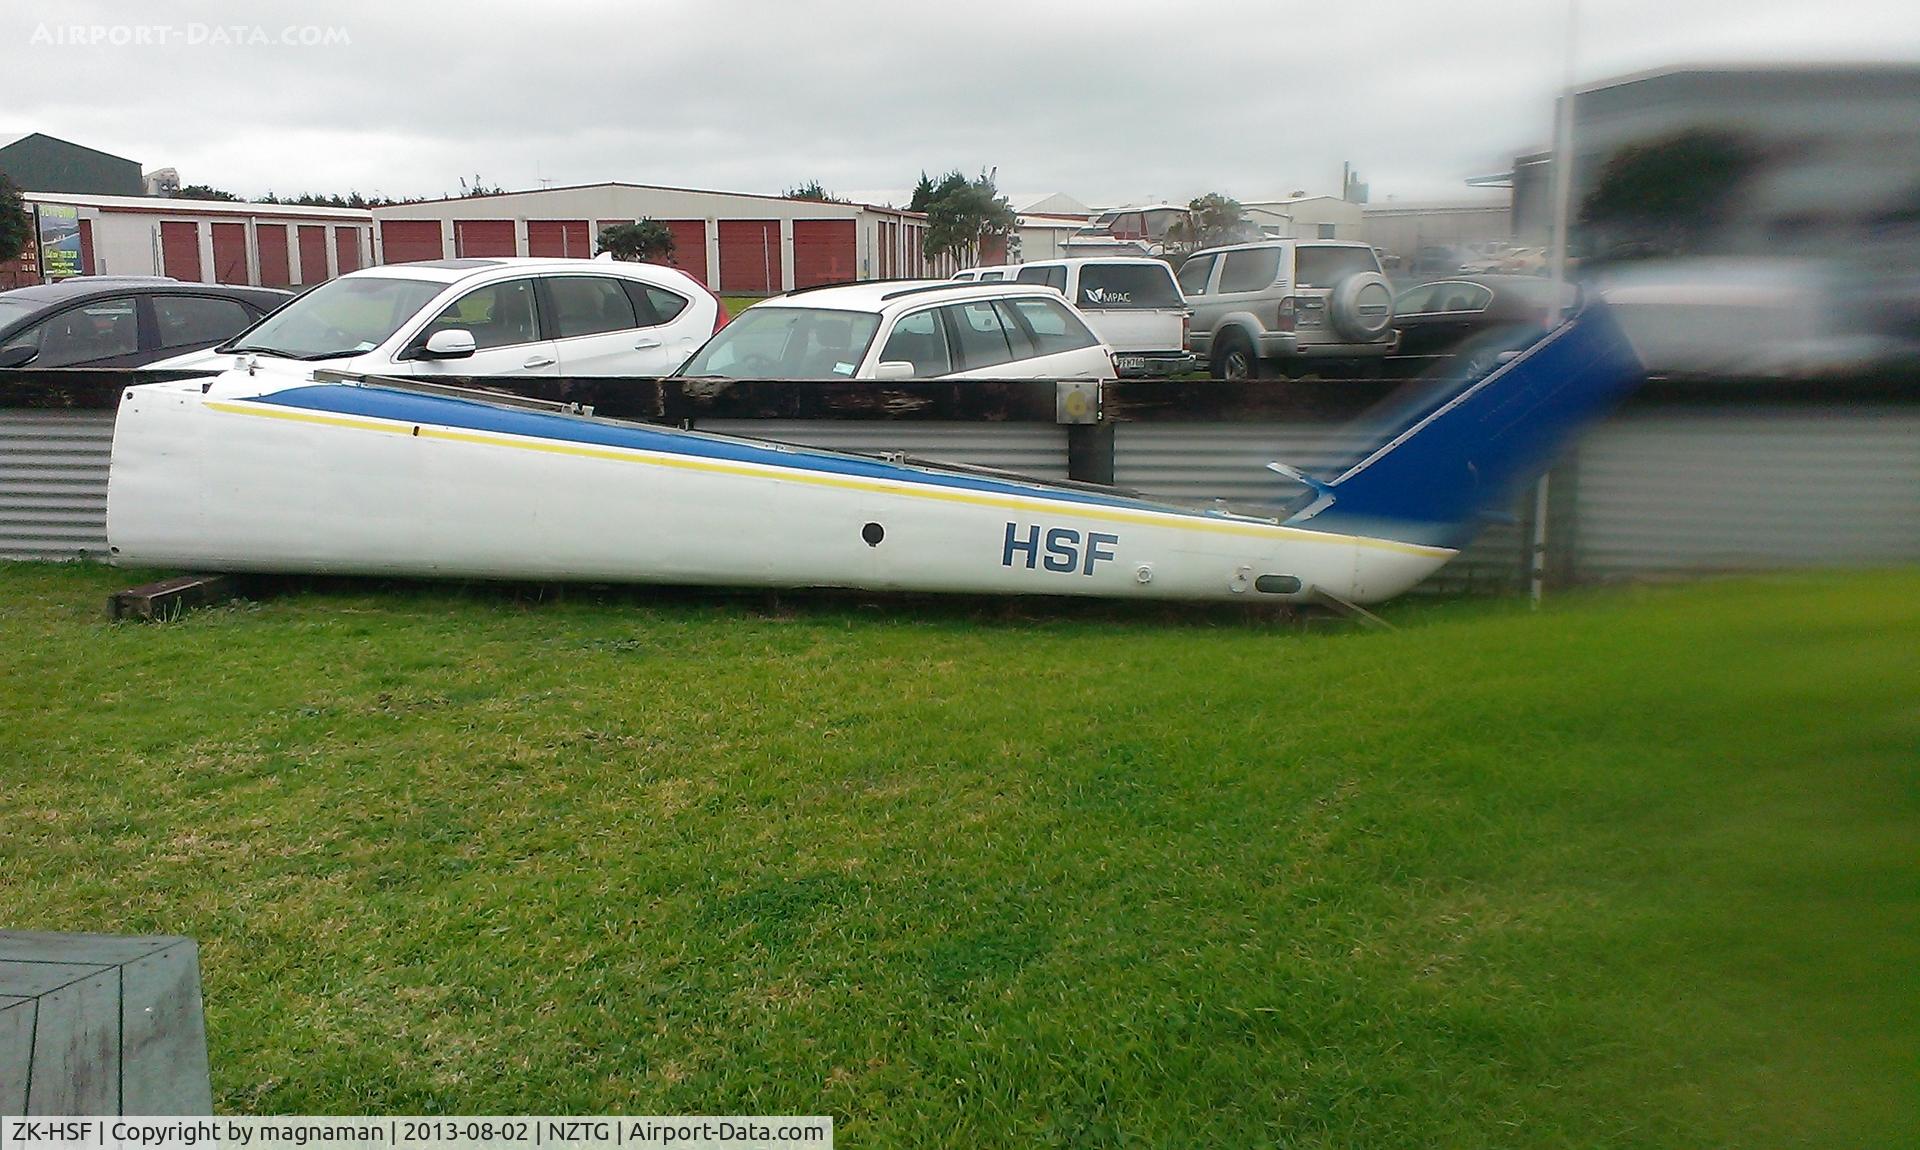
(59, 241)
(26, 269)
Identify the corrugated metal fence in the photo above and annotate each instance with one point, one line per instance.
(53, 483)
(1228, 461)
(1711, 481)
(1699, 488)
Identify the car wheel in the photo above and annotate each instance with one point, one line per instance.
(1235, 358)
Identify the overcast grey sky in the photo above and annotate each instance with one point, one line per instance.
(1109, 102)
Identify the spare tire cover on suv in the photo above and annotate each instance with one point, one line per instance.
(1362, 307)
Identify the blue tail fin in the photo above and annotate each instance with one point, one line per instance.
(1439, 480)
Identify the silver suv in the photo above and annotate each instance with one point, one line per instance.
(1280, 303)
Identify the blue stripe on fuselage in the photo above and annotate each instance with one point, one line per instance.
(377, 402)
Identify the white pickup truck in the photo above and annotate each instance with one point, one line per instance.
(1133, 304)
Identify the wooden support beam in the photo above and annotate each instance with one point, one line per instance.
(171, 598)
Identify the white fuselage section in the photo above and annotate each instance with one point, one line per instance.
(365, 480)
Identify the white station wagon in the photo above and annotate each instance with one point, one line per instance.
(907, 330)
(520, 317)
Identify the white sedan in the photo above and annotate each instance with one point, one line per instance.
(907, 330)
(523, 317)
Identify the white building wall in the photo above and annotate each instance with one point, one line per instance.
(1404, 230)
(125, 245)
(1308, 213)
(1043, 242)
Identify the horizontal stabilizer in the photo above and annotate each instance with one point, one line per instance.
(1301, 477)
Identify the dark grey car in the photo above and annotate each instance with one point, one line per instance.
(123, 321)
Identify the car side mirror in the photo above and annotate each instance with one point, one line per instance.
(19, 355)
(893, 369)
(450, 343)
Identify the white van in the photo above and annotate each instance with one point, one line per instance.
(1132, 303)
(986, 275)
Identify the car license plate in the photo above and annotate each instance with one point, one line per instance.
(1130, 363)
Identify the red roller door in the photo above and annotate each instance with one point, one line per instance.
(690, 247)
(479, 238)
(180, 250)
(275, 270)
(749, 256)
(230, 253)
(313, 253)
(86, 247)
(822, 252)
(346, 249)
(566, 239)
(404, 241)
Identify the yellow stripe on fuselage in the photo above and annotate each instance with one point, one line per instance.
(818, 479)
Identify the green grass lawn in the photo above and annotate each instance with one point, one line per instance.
(736, 304)
(1642, 869)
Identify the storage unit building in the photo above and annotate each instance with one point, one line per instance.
(214, 241)
(734, 242)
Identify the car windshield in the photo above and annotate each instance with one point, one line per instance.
(1324, 267)
(12, 309)
(342, 317)
(1127, 286)
(787, 343)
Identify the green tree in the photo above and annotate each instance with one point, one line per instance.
(478, 188)
(204, 192)
(16, 223)
(352, 199)
(922, 193)
(813, 190)
(1215, 218)
(1665, 197)
(963, 212)
(648, 241)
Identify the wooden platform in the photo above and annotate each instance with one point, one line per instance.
(101, 1024)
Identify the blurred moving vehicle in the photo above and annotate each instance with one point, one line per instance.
(1762, 317)
(1483, 261)
(895, 330)
(1436, 260)
(123, 321)
(486, 317)
(1523, 261)
(1434, 317)
(1280, 304)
